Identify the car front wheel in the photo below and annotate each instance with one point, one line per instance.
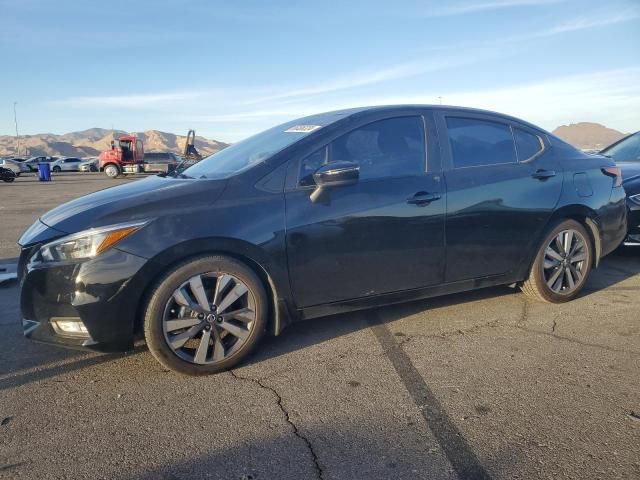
(205, 315)
(562, 264)
(111, 171)
(57, 169)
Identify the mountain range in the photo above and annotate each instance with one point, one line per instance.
(91, 142)
(86, 143)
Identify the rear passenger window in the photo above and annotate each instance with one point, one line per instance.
(477, 142)
(527, 144)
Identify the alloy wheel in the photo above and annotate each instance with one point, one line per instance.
(209, 317)
(565, 262)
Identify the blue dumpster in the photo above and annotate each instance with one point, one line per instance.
(44, 172)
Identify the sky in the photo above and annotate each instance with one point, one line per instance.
(231, 69)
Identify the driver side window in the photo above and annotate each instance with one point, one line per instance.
(393, 147)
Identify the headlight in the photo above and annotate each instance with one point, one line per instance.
(87, 244)
(635, 199)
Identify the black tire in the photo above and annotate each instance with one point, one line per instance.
(537, 287)
(163, 294)
(57, 169)
(112, 171)
(9, 179)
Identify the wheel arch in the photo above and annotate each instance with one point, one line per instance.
(280, 311)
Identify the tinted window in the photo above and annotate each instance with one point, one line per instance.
(387, 148)
(310, 164)
(479, 142)
(627, 150)
(527, 144)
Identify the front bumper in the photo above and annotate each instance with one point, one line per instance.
(103, 293)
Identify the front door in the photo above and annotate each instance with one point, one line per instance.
(383, 234)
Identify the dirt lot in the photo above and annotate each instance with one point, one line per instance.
(476, 385)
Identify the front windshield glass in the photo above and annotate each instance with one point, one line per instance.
(252, 151)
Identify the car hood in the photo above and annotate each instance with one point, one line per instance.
(139, 200)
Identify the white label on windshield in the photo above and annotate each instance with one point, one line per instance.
(302, 129)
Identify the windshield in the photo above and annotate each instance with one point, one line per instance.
(250, 152)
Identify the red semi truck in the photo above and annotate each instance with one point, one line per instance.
(127, 156)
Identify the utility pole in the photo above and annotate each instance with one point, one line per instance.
(15, 120)
(440, 99)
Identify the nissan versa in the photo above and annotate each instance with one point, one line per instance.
(325, 214)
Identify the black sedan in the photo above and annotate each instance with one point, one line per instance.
(626, 154)
(329, 213)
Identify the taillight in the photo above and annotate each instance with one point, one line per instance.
(615, 173)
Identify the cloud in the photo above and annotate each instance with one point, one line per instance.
(461, 8)
(371, 77)
(127, 101)
(610, 97)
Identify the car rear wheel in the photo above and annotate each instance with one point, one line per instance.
(562, 264)
(205, 315)
(111, 171)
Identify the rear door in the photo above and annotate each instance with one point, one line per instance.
(376, 236)
(502, 188)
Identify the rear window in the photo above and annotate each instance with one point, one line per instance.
(477, 142)
(527, 144)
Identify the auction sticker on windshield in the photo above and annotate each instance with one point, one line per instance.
(302, 129)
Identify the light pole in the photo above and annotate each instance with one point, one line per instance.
(15, 120)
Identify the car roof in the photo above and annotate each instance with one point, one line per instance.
(327, 118)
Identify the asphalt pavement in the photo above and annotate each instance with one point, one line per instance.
(486, 384)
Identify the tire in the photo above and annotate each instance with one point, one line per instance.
(57, 169)
(169, 320)
(9, 179)
(556, 276)
(111, 171)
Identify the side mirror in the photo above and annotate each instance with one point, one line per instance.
(335, 174)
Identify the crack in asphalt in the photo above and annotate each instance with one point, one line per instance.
(461, 331)
(553, 327)
(294, 427)
(575, 340)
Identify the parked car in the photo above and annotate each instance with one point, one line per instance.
(89, 165)
(161, 162)
(32, 163)
(325, 214)
(626, 154)
(7, 175)
(15, 165)
(68, 164)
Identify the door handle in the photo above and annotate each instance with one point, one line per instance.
(423, 198)
(543, 174)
